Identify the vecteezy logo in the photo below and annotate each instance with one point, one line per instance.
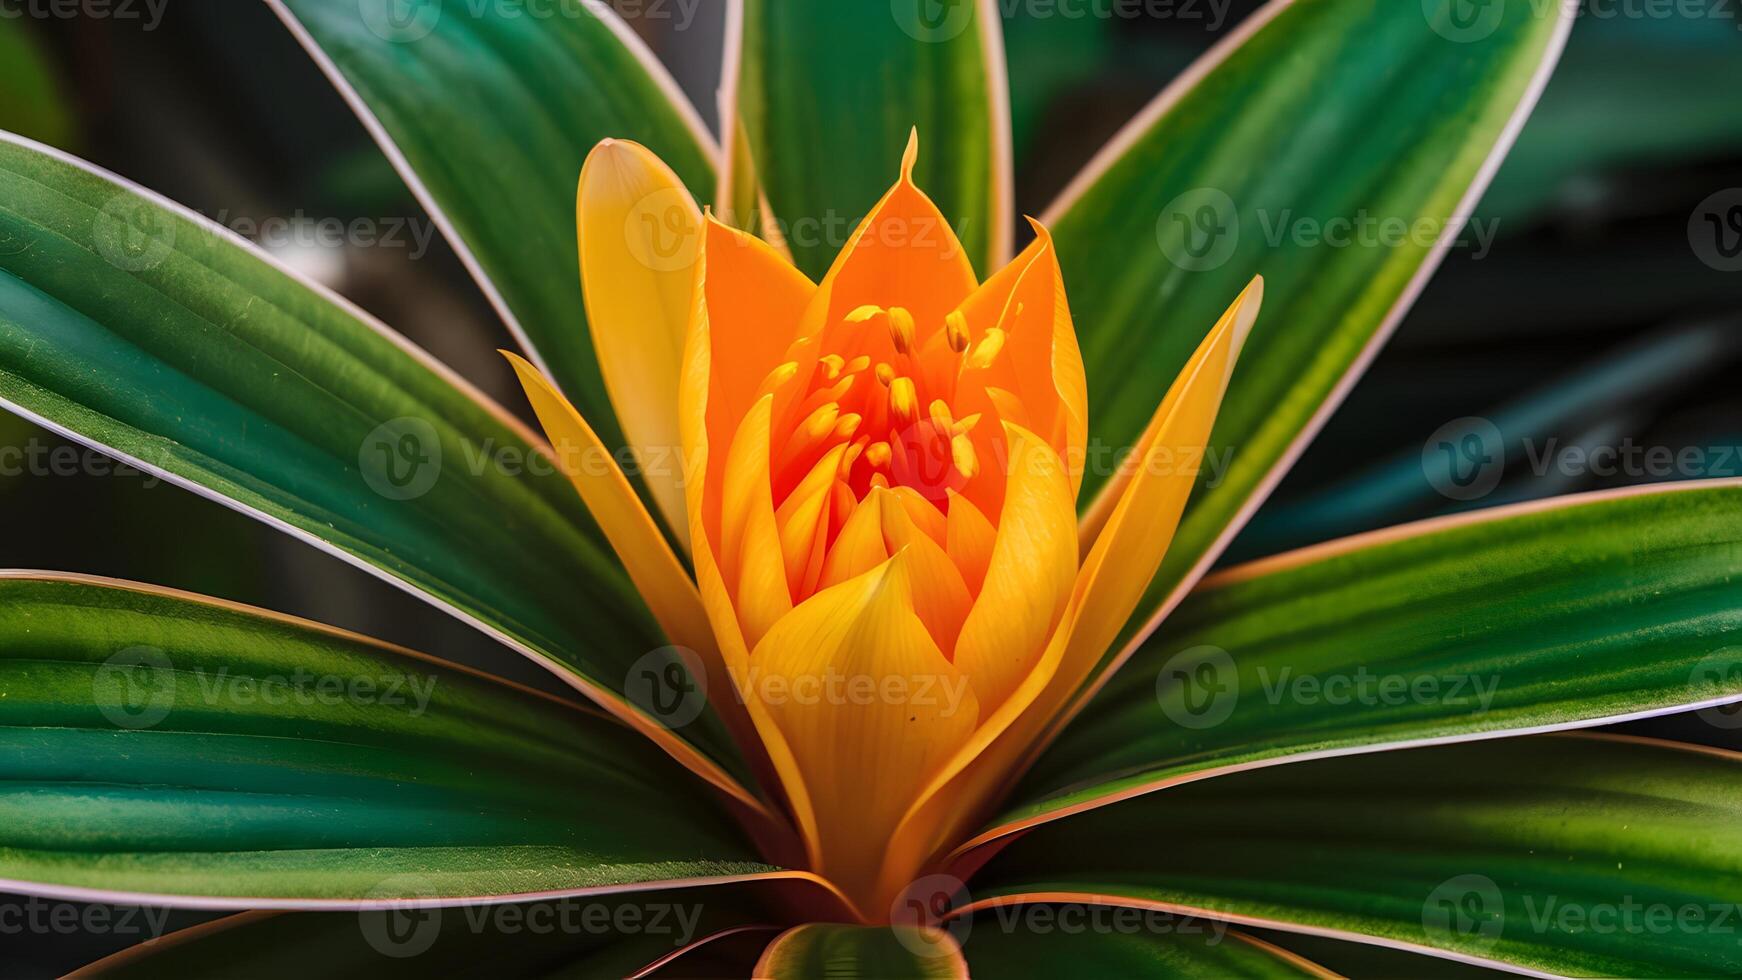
(919, 916)
(401, 459)
(400, 21)
(1464, 911)
(1464, 21)
(133, 235)
(1199, 229)
(405, 928)
(932, 21)
(670, 684)
(1465, 458)
(1715, 230)
(1721, 670)
(135, 688)
(662, 231)
(1198, 687)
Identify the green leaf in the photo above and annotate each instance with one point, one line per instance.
(1384, 114)
(589, 936)
(1129, 944)
(170, 745)
(827, 949)
(131, 325)
(488, 111)
(1605, 607)
(1565, 854)
(826, 93)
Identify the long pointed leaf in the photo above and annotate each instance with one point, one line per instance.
(1557, 854)
(487, 111)
(137, 327)
(1295, 150)
(180, 750)
(1563, 614)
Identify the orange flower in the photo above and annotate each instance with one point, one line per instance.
(879, 496)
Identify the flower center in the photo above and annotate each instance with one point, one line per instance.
(874, 403)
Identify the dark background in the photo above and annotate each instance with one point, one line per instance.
(1593, 320)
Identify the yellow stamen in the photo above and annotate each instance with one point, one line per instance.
(878, 455)
(940, 415)
(863, 313)
(904, 400)
(956, 330)
(986, 351)
(832, 364)
(885, 375)
(847, 425)
(962, 454)
(901, 329)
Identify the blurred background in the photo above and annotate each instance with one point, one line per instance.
(1597, 334)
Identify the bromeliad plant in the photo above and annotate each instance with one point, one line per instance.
(854, 617)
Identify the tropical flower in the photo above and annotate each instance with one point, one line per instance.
(881, 495)
(885, 557)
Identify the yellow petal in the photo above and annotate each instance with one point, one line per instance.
(750, 549)
(859, 548)
(940, 597)
(656, 572)
(1029, 575)
(1155, 484)
(869, 707)
(640, 234)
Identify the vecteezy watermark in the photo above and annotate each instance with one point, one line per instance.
(41, 458)
(1202, 228)
(832, 686)
(1200, 687)
(149, 13)
(670, 684)
(132, 234)
(937, 21)
(401, 459)
(1715, 230)
(411, 919)
(140, 686)
(1466, 458)
(302, 230)
(663, 233)
(1464, 911)
(406, 21)
(1471, 912)
(36, 916)
(1469, 21)
(1721, 671)
(921, 917)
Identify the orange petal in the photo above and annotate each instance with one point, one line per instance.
(904, 254)
(640, 234)
(868, 705)
(1038, 363)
